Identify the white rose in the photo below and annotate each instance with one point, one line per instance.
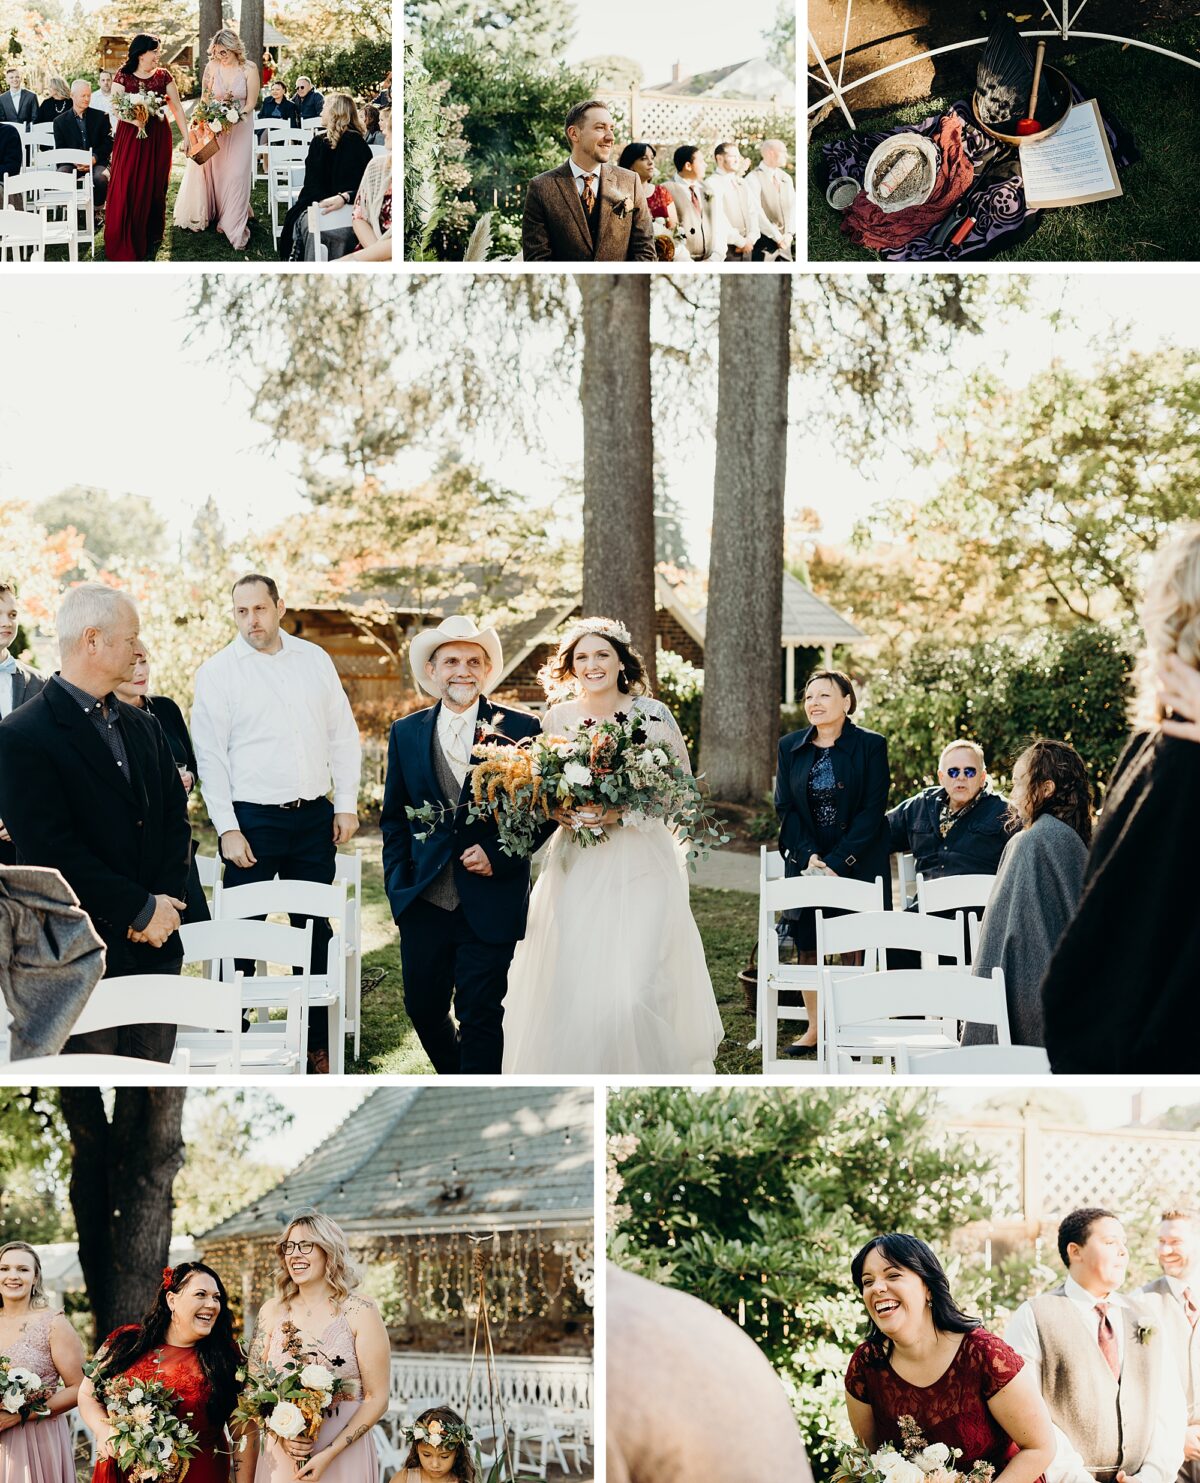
(935, 1456)
(286, 1420)
(316, 1377)
(577, 774)
(897, 1468)
(135, 1396)
(215, 126)
(231, 115)
(13, 1401)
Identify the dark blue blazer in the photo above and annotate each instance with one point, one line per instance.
(860, 765)
(310, 105)
(495, 905)
(973, 846)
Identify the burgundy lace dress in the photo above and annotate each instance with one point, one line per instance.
(953, 1409)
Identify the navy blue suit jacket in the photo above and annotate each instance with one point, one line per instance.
(495, 906)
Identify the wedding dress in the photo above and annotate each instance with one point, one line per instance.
(610, 976)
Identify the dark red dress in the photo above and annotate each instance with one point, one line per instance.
(659, 201)
(136, 208)
(953, 1409)
(180, 1369)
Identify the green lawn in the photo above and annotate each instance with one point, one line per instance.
(1156, 99)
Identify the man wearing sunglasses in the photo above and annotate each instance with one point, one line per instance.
(956, 828)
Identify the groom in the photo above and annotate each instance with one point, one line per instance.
(587, 210)
(458, 900)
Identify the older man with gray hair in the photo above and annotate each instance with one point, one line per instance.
(774, 193)
(88, 786)
(85, 128)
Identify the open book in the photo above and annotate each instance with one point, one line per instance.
(1072, 167)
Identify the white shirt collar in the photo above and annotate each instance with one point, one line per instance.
(694, 185)
(447, 717)
(241, 648)
(1080, 1295)
(578, 173)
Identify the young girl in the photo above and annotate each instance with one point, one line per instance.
(440, 1448)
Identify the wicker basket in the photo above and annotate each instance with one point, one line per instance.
(748, 978)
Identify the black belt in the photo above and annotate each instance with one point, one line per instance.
(295, 803)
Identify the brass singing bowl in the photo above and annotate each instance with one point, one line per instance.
(1054, 97)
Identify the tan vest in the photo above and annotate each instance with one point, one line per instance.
(1110, 1424)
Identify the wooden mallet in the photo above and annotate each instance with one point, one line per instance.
(1030, 125)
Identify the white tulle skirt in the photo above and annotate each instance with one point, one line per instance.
(191, 204)
(611, 976)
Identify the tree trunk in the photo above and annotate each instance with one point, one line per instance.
(618, 455)
(122, 1172)
(210, 23)
(739, 729)
(250, 30)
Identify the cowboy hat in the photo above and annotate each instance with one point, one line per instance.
(460, 630)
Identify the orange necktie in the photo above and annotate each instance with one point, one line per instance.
(589, 195)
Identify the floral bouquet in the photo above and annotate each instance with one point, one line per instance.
(293, 1400)
(597, 765)
(916, 1461)
(22, 1392)
(219, 113)
(137, 108)
(150, 1444)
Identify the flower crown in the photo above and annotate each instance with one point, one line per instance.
(439, 1433)
(609, 628)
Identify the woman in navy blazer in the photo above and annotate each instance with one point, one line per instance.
(831, 794)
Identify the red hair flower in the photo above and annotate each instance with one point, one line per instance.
(168, 1278)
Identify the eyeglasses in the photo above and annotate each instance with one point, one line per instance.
(966, 772)
(295, 1248)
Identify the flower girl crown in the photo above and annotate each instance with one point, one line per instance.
(439, 1433)
(609, 628)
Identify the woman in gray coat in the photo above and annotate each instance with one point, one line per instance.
(1038, 883)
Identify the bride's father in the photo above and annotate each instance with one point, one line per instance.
(458, 900)
(587, 210)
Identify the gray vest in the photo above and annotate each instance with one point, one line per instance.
(1110, 1423)
(442, 891)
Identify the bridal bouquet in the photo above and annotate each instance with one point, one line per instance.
(136, 108)
(150, 1443)
(293, 1400)
(22, 1392)
(220, 113)
(916, 1461)
(596, 766)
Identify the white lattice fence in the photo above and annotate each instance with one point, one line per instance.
(527, 1386)
(666, 119)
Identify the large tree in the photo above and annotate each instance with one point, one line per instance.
(111, 525)
(739, 724)
(123, 1166)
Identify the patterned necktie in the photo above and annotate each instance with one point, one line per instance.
(1189, 1303)
(1107, 1340)
(589, 195)
(460, 748)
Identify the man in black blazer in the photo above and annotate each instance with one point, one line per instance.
(459, 901)
(18, 683)
(85, 127)
(17, 104)
(307, 102)
(89, 787)
(12, 152)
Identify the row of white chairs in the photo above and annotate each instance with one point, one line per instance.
(44, 206)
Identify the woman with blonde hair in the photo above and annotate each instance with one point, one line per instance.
(57, 100)
(318, 1315)
(333, 170)
(34, 1337)
(1120, 989)
(218, 191)
(373, 204)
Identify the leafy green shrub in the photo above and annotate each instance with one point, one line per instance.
(681, 687)
(358, 69)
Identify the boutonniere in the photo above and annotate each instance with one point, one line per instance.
(1144, 1332)
(621, 205)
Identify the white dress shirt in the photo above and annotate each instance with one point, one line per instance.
(456, 734)
(1166, 1445)
(734, 208)
(580, 175)
(102, 101)
(6, 694)
(271, 728)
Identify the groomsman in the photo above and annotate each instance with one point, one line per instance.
(774, 194)
(1179, 1289)
(734, 204)
(273, 731)
(693, 206)
(18, 683)
(18, 105)
(88, 787)
(1106, 1369)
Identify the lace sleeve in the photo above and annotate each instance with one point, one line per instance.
(662, 729)
(856, 1378)
(998, 1362)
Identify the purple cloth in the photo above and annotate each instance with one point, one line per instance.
(997, 204)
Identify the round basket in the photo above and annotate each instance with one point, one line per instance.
(918, 144)
(748, 978)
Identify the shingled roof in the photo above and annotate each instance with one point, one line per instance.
(431, 1157)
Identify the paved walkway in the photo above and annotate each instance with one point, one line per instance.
(727, 870)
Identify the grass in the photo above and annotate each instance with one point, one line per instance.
(1155, 99)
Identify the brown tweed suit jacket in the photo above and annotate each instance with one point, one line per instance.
(555, 229)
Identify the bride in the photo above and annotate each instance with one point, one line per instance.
(611, 974)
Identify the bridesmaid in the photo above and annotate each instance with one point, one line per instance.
(140, 169)
(36, 1451)
(316, 1292)
(227, 175)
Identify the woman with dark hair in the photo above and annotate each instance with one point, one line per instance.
(140, 169)
(610, 975)
(186, 1342)
(36, 1449)
(1038, 884)
(641, 158)
(924, 1358)
(831, 792)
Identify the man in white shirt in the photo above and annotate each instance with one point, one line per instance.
(102, 97)
(18, 105)
(1179, 1290)
(733, 203)
(272, 729)
(18, 683)
(705, 242)
(1104, 1363)
(774, 195)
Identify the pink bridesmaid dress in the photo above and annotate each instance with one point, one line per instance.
(359, 1463)
(37, 1451)
(227, 173)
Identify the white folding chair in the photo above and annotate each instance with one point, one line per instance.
(982, 1060)
(37, 138)
(166, 999)
(347, 870)
(777, 893)
(906, 871)
(92, 1066)
(301, 898)
(53, 198)
(50, 159)
(962, 894)
(330, 221)
(285, 180)
(209, 868)
(864, 1010)
(536, 1439)
(20, 233)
